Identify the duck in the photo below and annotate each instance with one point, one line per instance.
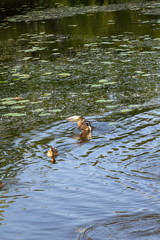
(1, 183)
(52, 153)
(83, 124)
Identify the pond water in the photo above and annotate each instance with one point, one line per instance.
(102, 63)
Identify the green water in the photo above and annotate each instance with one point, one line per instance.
(99, 62)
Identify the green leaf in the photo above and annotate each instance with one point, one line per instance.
(14, 114)
(125, 110)
(9, 102)
(64, 74)
(56, 110)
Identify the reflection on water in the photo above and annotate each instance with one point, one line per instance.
(103, 66)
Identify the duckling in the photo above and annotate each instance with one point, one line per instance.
(52, 153)
(84, 125)
(1, 183)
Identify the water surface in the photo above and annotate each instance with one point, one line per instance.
(103, 65)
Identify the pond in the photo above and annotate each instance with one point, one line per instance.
(100, 62)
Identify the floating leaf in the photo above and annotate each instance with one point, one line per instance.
(44, 114)
(38, 110)
(2, 107)
(20, 76)
(7, 99)
(23, 76)
(111, 106)
(107, 63)
(36, 102)
(26, 58)
(85, 93)
(56, 110)
(108, 83)
(48, 73)
(47, 94)
(106, 43)
(103, 81)
(3, 81)
(125, 60)
(64, 74)
(23, 101)
(105, 101)
(125, 110)
(72, 25)
(34, 49)
(86, 63)
(146, 75)
(17, 107)
(96, 85)
(140, 72)
(44, 61)
(133, 106)
(14, 114)
(9, 102)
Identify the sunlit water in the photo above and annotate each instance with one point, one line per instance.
(104, 66)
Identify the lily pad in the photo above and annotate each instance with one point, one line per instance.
(103, 80)
(64, 74)
(106, 43)
(111, 106)
(140, 72)
(125, 60)
(10, 102)
(109, 83)
(23, 101)
(17, 107)
(47, 73)
(44, 114)
(26, 58)
(104, 100)
(96, 85)
(146, 75)
(38, 110)
(107, 63)
(7, 99)
(56, 110)
(47, 94)
(2, 107)
(86, 63)
(35, 102)
(133, 106)
(3, 81)
(14, 114)
(74, 25)
(85, 93)
(125, 110)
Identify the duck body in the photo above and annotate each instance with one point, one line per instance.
(52, 153)
(83, 124)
